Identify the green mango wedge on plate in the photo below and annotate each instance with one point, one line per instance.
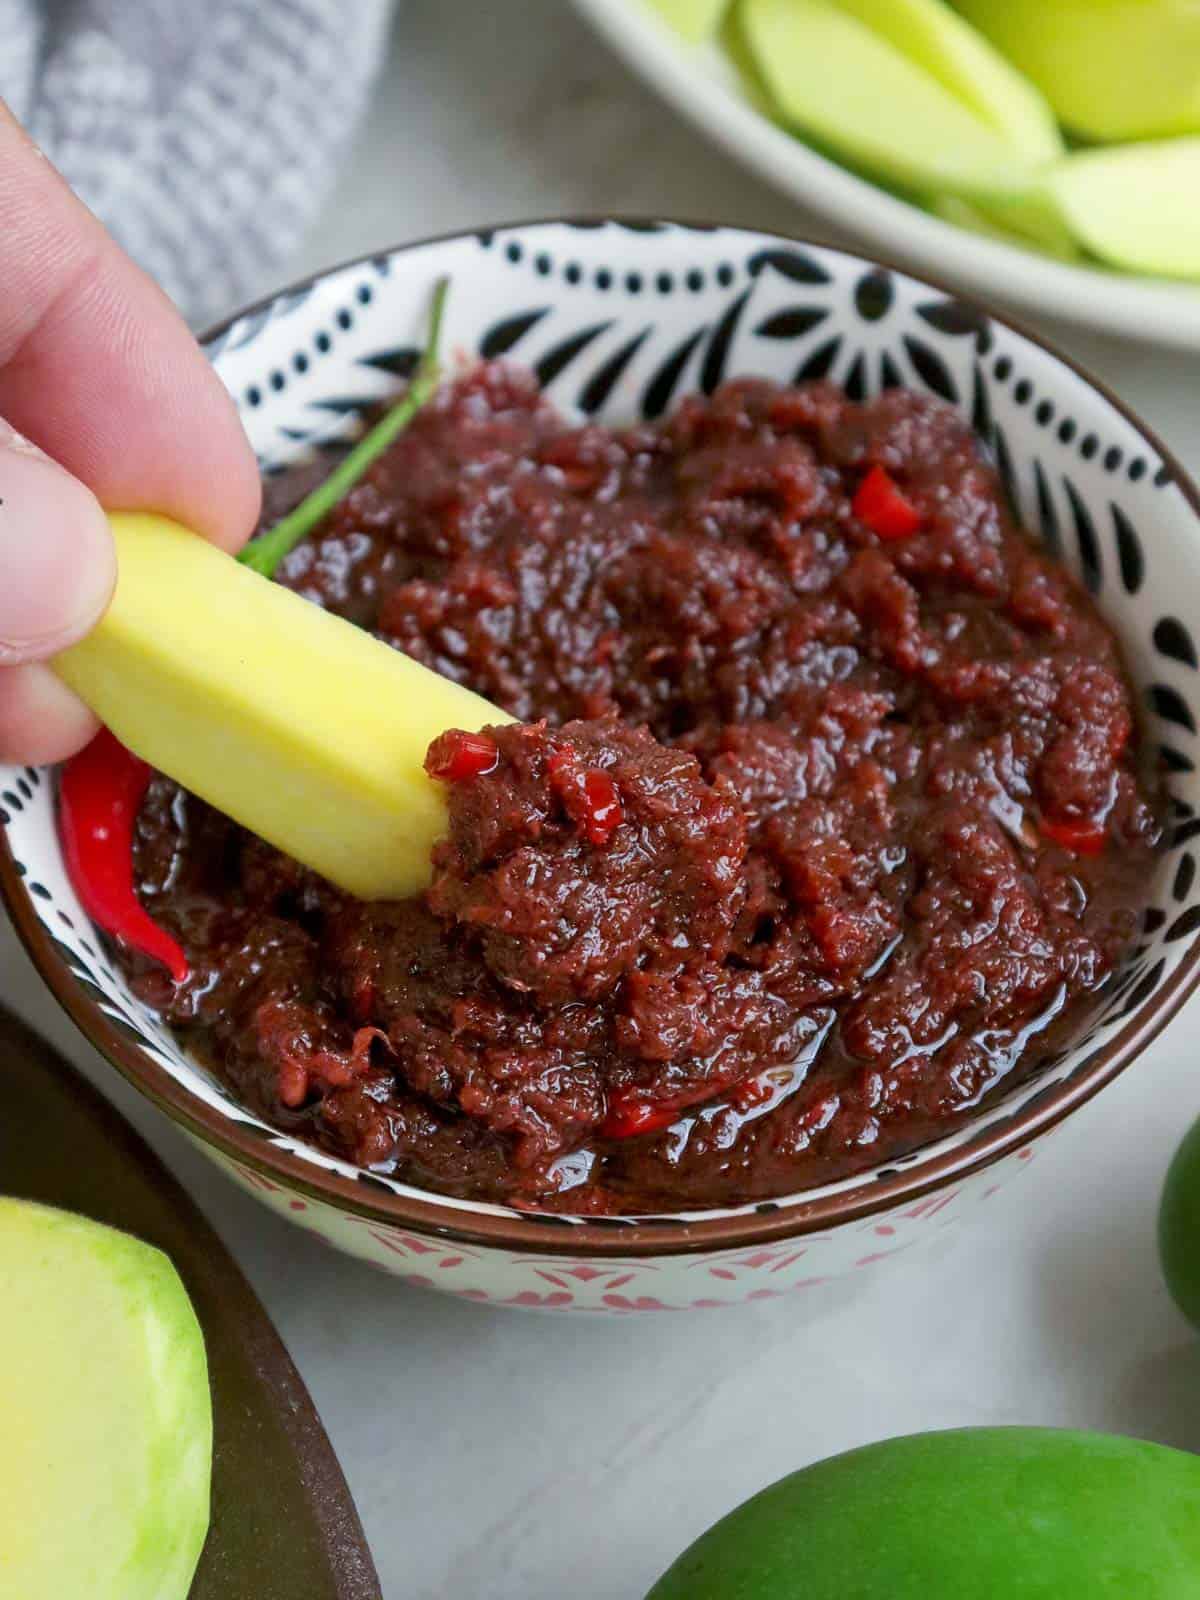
(105, 1414)
(839, 82)
(972, 1514)
(935, 38)
(1112, 69)
(1136, 206)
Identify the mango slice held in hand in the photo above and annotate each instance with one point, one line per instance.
(297, 724)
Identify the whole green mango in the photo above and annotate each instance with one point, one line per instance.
(1179, 1227)
(970, 1514)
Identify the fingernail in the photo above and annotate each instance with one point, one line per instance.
(57, 563)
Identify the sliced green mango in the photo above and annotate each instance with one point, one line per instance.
(105, 1414)
(1136, 206)
(1111, 69)
(740, 56)
(937, 39)
(1030, 222)
(298, 725)
(694, 20)
(836, 80)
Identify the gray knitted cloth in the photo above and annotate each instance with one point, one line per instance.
(204, 133)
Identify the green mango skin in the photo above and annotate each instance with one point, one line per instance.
(693, 20)
(1179, 1227)
(971, 1514)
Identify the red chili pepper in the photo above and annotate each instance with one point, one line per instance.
(884, 508)
(100, 791)
(456, 755)
(1082, 838)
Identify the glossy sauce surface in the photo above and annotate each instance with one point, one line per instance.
(822, 820)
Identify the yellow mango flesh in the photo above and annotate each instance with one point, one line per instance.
(297, 724)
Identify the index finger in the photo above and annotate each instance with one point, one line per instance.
(100, 370)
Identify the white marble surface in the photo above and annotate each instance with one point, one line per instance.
(498, 1456)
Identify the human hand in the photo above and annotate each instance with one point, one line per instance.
(105, 400)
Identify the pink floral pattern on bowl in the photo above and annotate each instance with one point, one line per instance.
(619, 1285)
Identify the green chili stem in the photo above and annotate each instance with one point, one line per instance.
(266, 552)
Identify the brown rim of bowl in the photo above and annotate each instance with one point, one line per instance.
(548, 1234)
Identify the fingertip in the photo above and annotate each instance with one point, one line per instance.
(243, 507)
(219, 493)
(41, 721)
(56, 554)
(98, 367)
(185, 452)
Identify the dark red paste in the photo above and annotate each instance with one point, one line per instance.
(822, 819)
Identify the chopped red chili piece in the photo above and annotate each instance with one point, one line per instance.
(606, 646)
(561, 768)
(590, 797)
(628, 1116)
(1082, 838)
(456, 755)
(292, 1084)
(582, 478)
(362, 999)
(100, 792)
(630, 1113)
(604, 812)
(884, 508)
(819, 1114)
(751, 1092)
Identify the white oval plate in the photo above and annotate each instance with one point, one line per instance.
(701, 85)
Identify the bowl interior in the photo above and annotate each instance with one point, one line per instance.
(619, 320)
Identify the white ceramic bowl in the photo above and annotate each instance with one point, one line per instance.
(702, 85)
(621, 319)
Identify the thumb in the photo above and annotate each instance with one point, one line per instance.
(57, 562)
